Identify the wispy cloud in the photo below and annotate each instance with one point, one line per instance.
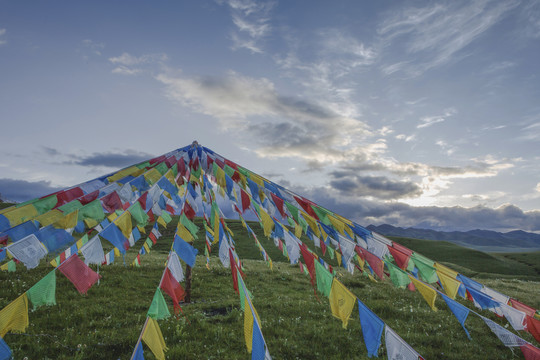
(127, 64)
(252, 21)
(437, 34)
(2, 39)
(427, 121)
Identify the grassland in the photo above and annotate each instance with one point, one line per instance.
(106, 323)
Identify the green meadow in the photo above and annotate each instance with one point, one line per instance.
(296, 323)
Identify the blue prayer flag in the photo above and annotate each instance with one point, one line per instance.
(484, 301)
(113, 235)
(460, 312)
(5, 351)
(138, 354)
(21, 231)
(185, 250)
(372, 329)
(257, 342)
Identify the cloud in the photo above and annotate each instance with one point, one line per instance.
(281, 125)
(2, 33)
(22, 190)
(50, 151)
(436, 34)
(368, 211)
(111, 159)
(252, 21)
(379, 187)
(127, 64)
(94, 46)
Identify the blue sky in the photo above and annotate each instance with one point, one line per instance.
(410, 113)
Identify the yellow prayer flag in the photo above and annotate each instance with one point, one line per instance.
(68, 221)
(152, 176)
(268, 223)
(449, 284)
(170, 176)
(361, 261)
(341, 302)
(154, 339)
(427, 292)
(141, 229)
(116, 252)
(297, 230)
(248, 326)
(161, 222)
(446, 270)
(337, 224)
(311, 222)
(54, 263)
(338, 256)
(122, 173)
(112, 217)
(372, 278)
(18, 215)
(146, 248)
(124, 223)
(90, 223)
(184, 233)
(50, 217)
(14, 317)
(4, 267)
(79, 243)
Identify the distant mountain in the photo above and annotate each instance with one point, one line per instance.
(473, 238)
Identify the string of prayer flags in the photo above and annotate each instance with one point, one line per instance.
(79, 273)
(372, 329)
(14, 317)
(341, 302)
(158, 308)
(153, 338)
(44, 291)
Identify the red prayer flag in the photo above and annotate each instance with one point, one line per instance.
(376, 264)
(530, 352)
(142, 200)
(188, 210)
(307, 207)
(111, 202)
(533, 327)
(181, 166)
(279, 203)
(68, 195)
(88, 198)
(151, 216)
(402, 248)
(231, 164)
(402, 259)
(309, 260)
(246, 202)
(79, 273)
(173, 289)
(522, 307)
(233, 271)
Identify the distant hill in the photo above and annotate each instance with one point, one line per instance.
(483, 239)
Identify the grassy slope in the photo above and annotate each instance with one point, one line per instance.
(106, 323)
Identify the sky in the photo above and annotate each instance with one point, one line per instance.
(411, 113)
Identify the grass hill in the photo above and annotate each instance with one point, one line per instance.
(106, 323)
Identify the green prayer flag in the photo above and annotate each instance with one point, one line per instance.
(293, 210)
(166, 217)
(162, 168)
(303, 223)
(425, 268)
(70, 206)
(331, 252)
(228, 170)
(143, 165)
(324, 279)
(321, 214)
(44, 292)
(46, 204)
(193, 229)
(12, 266)
(138, 214)
(399, 277)
(93, 210)
(242, 295)
(291, 222)
(158, 309)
